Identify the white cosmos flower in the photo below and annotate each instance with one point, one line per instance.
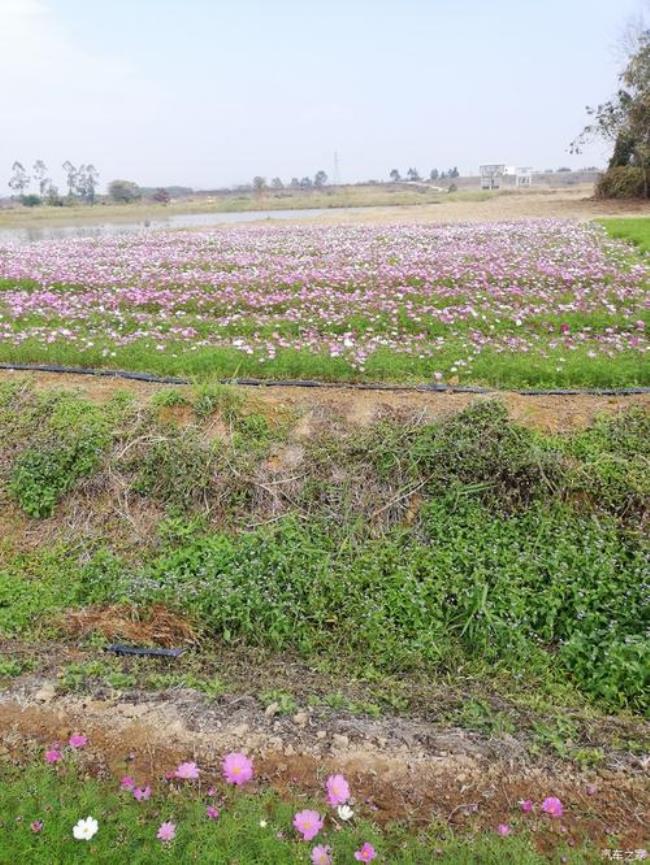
(85, 829)
(345, 812)
(263, 824)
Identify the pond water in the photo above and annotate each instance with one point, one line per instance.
(177, 220)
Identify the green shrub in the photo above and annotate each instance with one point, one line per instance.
(66, 437)
(622, 181)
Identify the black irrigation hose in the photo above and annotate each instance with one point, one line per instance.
(261, 382)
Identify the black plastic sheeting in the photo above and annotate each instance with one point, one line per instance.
(260, 382)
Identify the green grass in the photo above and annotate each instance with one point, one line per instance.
(127, 829)
(634, 230)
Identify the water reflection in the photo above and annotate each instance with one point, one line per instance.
(178, 220)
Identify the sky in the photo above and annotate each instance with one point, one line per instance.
(209, 93)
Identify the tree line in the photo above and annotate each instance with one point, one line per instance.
(260, 184)
(81, 182)
(413, 175)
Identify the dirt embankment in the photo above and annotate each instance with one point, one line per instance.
(360, 407)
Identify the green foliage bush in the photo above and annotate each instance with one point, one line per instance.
(622, 181)
(59, 439)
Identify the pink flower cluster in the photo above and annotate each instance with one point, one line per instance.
(543, 288)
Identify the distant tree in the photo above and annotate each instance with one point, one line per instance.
(124, 191)
(395, 176)
(295, 183)
(443, 174)
(259, 184)
(52, 197)
(277, 183)
(71, 177)
(452, 188)
(435, 174)
(563, 169)
(454, 172)
(320, 179)
(306, 183)
(412, 174)
(161, 195)
(86, 182)
(30, 200)
(40, 176)
(19, 180)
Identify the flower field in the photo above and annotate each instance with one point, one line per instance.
(537, 302)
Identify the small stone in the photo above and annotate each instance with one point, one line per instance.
(272, 709)
(321, 734)
(289, 751)
(340, 741)
(300, 719)
(45, 694)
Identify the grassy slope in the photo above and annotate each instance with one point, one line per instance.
(412, 572)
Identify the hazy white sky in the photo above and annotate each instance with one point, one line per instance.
(211, 92)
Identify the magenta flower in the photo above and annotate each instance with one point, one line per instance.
(552, 806)
(526, 805)
(167, 832)
(127, 783)
(366, 854)
(321, 855)
(504, 829)
(142, 794)
(36, 826)
(237, 768)
(211, 791)
(187, 772)
(308, 823)
(212, 812)
(78, 741)
(53, 755)
(338, 790)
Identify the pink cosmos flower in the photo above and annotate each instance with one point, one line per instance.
(127, 783)
(167, 832)
(338, 790)
(212, 812)
(552, 806)
(308, 823)
(187, 772)
(526, 805)
(321, 855)
(36, 826)
(237, 768)
(78, 741)
(504, 829)
(53, 755)
(211, 791)
(142, 794)
(366, 854)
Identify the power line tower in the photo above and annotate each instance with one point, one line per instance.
(337, 172)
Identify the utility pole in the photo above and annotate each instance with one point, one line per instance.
(337, 173)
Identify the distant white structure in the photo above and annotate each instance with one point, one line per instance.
(524, 176)
(492, 175)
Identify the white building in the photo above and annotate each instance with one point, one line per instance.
(493, 174)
